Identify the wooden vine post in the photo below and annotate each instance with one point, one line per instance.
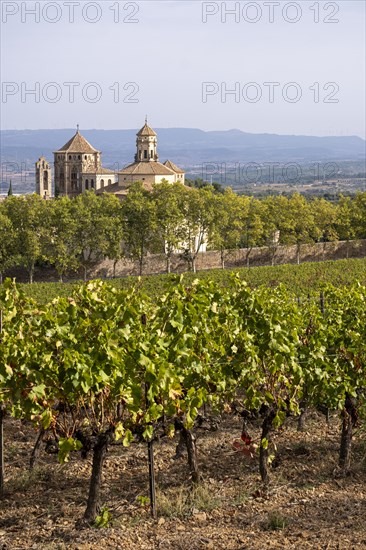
(150, 455)
(152, 491)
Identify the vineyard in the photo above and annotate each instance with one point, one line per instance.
(298, 279)
(106, 367)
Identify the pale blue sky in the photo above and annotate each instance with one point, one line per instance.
(170, 52)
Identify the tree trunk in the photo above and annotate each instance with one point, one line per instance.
(99, 453)
(301, 424)
(180, 448)
(349, 415)
(36, 448)
(273, 257)
(1, 277)
(194, 265)
(301, 421)
(247, 257)
(223, 259)
(264, 452)
(168, 266)
(85, 273)
(298, 254)
(346, 438)
(141, 261)
(31, 274)
(190, 442)
(114, 268)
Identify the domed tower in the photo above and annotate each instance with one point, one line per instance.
(146, 144)
(72, 161)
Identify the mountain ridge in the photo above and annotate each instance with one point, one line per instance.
(187, 146)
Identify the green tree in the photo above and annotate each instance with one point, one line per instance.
(8, 256)
(86, 210)
(301, 228)
(227, 227)
(253, 227)
(325, 218)
(61, 245)
(111, 227)
(27, 215)
(359, 219)
(346, 225)
(169, 226)
(276, 223)
(139, 219)
(199, 215)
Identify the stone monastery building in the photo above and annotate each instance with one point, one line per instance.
(78, 167)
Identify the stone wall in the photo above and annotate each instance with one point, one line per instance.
(236, 258)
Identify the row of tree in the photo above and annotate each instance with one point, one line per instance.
(72, 233)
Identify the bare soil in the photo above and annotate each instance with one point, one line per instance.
(307, 506)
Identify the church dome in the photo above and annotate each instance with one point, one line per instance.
(146, 130)
(78, 144)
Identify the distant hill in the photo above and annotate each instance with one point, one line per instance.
(189, 146)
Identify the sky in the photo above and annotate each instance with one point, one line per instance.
(260, 67)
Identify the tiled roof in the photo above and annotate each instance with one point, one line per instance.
(147, 169)
(100, 171)
(121, 191)
(113, 188)
(174, 167)
(77, 144)
(146, 131)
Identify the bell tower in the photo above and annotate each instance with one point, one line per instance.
(146, 144)
(43, 178)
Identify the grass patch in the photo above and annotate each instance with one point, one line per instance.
(180, 501)
(276, 522)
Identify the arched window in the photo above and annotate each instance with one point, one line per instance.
(145, 154)
(86, 184)
(85, 157)
(79, 157)
(69, 157)
(91, 184)
(102, 183)
(45, 181)
(109, 182)
(74, 178)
